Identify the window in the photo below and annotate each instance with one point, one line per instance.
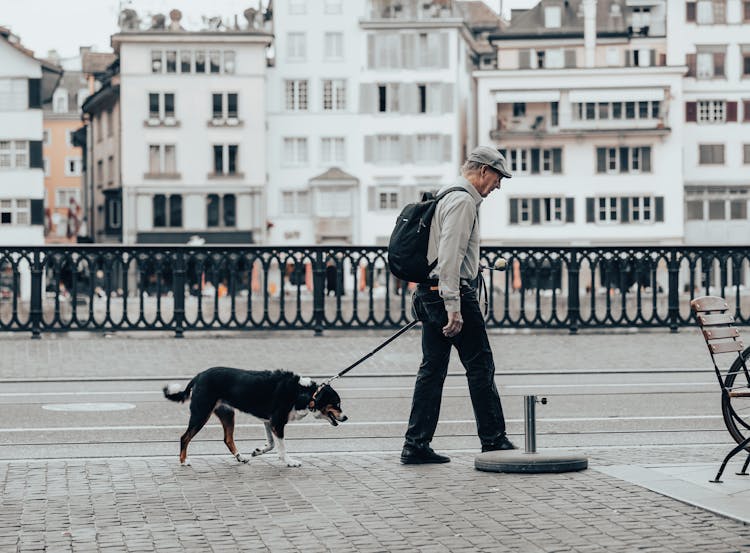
(388, 200)
(171, 61)
(221, 210)
(297, 7)
(224, 107)
(541, 211)
(229, 62)
(332, 150)
(160, 109)
(186, 61)
(746, 10)
(694, 211)
(167, 210)
(552, 17)
(534, 160)
(712, 111)
(334, 46)
(334, 95)
(710, 12)
(214, 60)
(746, 154)
(63, 196)
(388, 98)
(14, 154)
(113, 213)
(603, 111)
(295, 202)
(623, 159)
(334, 203)
(388, 148)
(110, 169)
(156, 61)
(711, 154)
(716, 210)
(200, 62)
(738, 209)
(296, 95)
(333, 6)
(422, 98)
(519, 109)
(225, 159)
(72, 166)
(162, 159)
(45, 165)
(295, 151)
(295, 47)
(60, 101)
(428, 148)
(745, 52)
(716, 203)
(14, 94)
(15, 212)
(710, 62)
(46, 137)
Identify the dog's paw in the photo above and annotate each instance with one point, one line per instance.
(241, 458)
(257, 451)
(186, 463)
(292, 462)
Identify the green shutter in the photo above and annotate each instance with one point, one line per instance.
(646, 159)
(35, 93)
(624, 210)
(37, 212)
(557, 160)
(589, 210)
(536, 216)
(36, 161)
(624, 158)
(601, 162)
(534, 161)
(570, 213)
(660, 209)
(513, 211)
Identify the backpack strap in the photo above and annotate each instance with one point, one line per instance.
(451, 189)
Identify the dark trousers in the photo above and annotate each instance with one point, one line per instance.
(476, 356)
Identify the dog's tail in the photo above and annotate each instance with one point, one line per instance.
(172, 392)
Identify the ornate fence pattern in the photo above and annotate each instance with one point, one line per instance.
(100, 288)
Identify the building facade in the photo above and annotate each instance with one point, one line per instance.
(192, 132)
(712, 37)
(589, 115)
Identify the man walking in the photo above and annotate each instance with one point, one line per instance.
(448, 308)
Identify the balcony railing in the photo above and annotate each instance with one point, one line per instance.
(178, 289)
(411, 10)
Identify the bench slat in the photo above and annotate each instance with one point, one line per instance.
(722, 332)
(726, 347)
(709, 303)
(710, 320)
(739, 392)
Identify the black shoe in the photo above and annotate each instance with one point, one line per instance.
(421, 456)
(502, 445)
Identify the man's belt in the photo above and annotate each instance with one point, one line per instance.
(433, 284)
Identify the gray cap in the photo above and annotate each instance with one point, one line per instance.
(490, 156)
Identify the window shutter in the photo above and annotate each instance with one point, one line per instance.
(35, 93)
(557, 160)
(570, 212)
(404, 91)
(745, 110)
(504, 152)
(646, 159)
(371, 49)
(652, 57)
(369, 149)
(570, 58)
(448, 98)
(534, 161)
(731, 112)
(524, 59)
(660, 209)
(589, 210)
(447, 149)
(624, 158)
(601, 162)
(365, 98)
(36, 161)
(690, 12)
(513, 211)
(371, 198)
(405, 142)
(408, 47)
(691, 112)
(444, 55)
(37, 212)
(690, 62)
(719, 64)
(536, 217)
(624, 210)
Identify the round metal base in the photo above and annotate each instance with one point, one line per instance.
(540, 462)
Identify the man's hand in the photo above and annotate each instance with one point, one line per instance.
(455, 323)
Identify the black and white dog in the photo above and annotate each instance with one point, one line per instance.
(275, 397)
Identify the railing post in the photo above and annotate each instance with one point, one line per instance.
(35, 305)
(319, 273)
(178, 283)
(673, 300)
(574, 301)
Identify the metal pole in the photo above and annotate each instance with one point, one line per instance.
(529, 419)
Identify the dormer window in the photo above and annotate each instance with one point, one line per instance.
(552, 17)
(60, 101)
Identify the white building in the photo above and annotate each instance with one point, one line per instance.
(21, 162)
(369, 105)
(193, 129)
(589, 116)
(713, 39)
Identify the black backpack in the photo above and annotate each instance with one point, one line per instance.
(407, 248)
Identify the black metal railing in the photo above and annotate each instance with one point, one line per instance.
(182, 288)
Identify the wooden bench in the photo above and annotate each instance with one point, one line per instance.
(722, 337)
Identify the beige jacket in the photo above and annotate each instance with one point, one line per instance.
(454, 242)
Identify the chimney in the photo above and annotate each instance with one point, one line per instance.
(589, 32)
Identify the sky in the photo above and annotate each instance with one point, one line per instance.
(65, 25)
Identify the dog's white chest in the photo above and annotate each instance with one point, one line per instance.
(295, 415)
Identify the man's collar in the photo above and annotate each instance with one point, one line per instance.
(462, 181)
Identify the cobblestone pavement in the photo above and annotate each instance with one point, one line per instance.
(358, 503)
(158, 354)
